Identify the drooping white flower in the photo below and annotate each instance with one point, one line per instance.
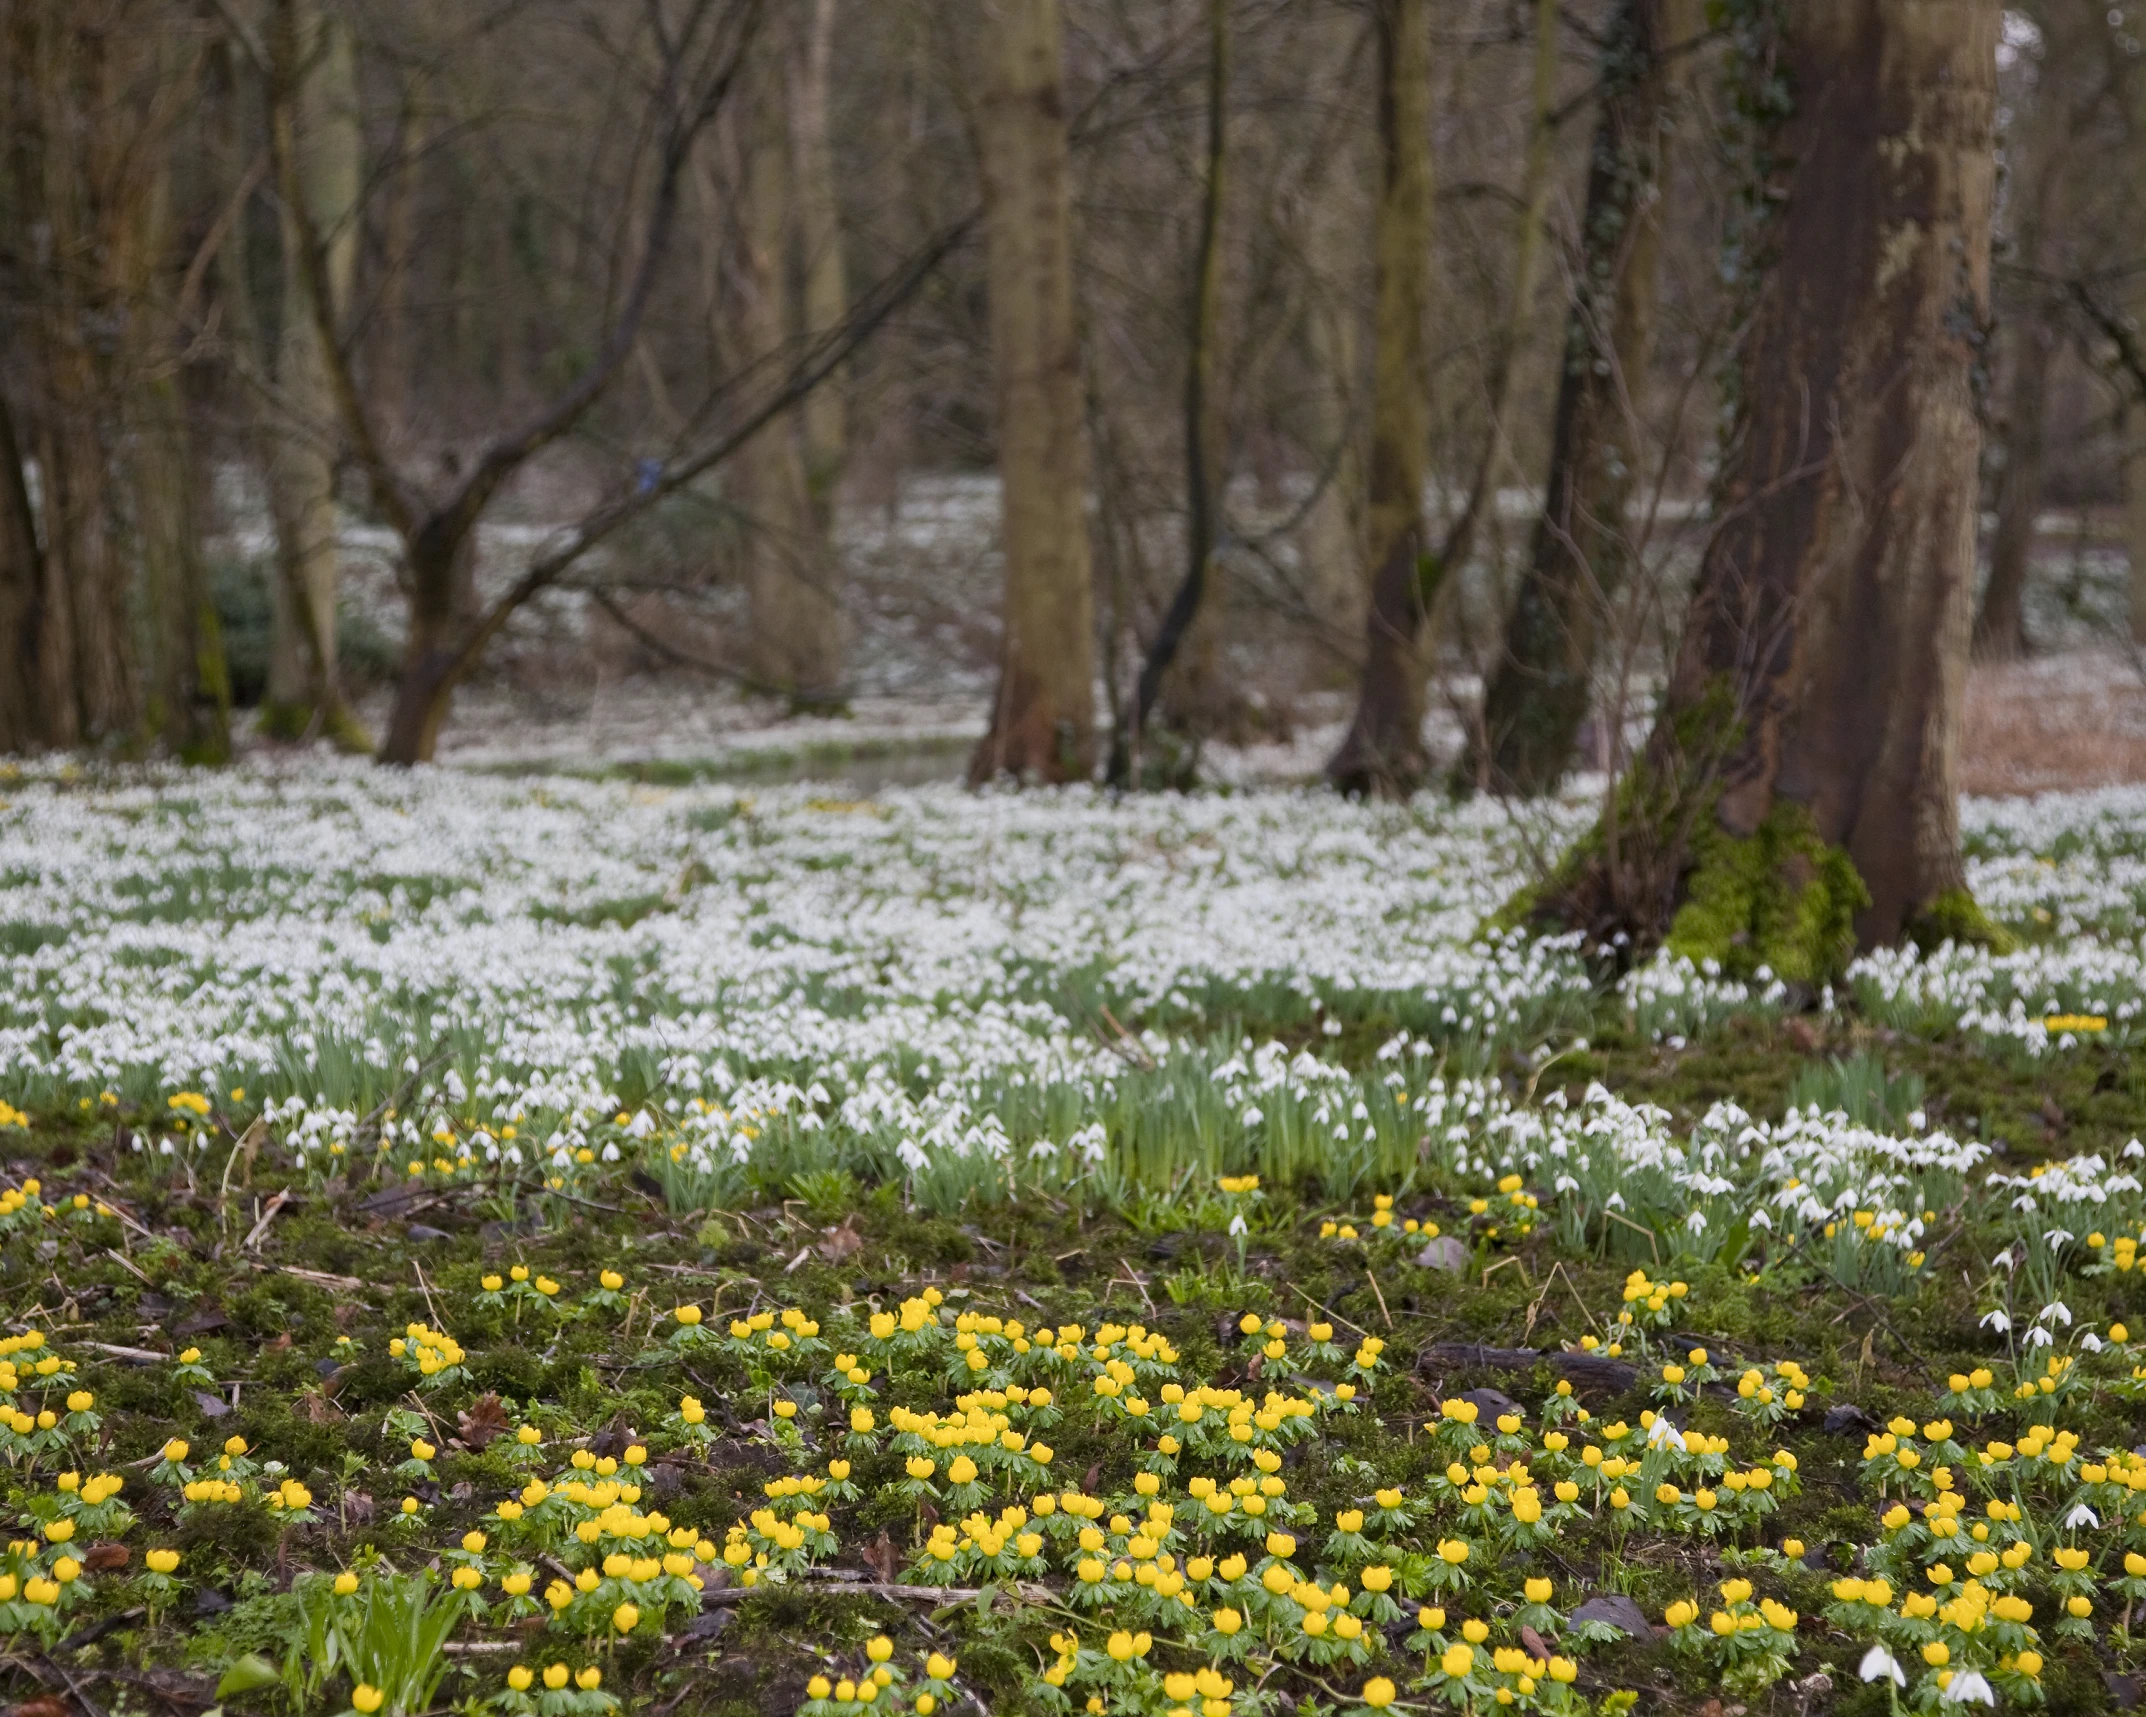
(1878, 1662)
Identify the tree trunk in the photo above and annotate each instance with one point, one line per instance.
(320, 81)
(790, 565)
(2135, 504)
(1796, 799)
(1581, 550)
(1043, 717)
(433, 659)
(1383, 752)
(2037, 154)
(824, 417)
(22, 592)
(2000, 633)
(1203, 422)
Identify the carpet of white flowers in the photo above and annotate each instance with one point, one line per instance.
(549, 1244)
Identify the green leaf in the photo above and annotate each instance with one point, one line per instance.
(246, 1674)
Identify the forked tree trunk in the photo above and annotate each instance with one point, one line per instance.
(1797, 796)
(1383, 751)
(1581, 551)
(1043, 717)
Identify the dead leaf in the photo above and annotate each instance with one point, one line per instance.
(1533, 1643)
(282, 1344)
(45, 1705)
(317, 1408)
(842, 1242)
(102, 1558)
(1803, 1037)
(215, 1406)
(486, 1419)
(879, 1556)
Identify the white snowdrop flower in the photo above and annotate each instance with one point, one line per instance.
(2080, 1516)
(1663, 1435)
(1999, 1320)
(1237, 1225)
(1879, 1664)
(2054, 1312)
(1969, 1685)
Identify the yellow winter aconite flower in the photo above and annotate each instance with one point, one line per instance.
(366, 1698)
(1457, 1661)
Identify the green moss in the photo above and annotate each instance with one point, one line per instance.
(1954, 917)
(1780, 897)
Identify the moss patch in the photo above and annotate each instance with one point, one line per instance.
(1780, 897)
(1954, 917)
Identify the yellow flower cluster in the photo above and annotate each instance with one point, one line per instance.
(433, 1351)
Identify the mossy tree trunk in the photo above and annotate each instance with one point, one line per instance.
(1383, 750)
(1581, 551)
(1796, 798)
(1043, 718)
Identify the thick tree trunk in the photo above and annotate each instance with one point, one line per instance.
(442, 604)
(790, 564)
(1202, 425)
(1383, 751)
(1043, 717)
(1581, 550)
(1797, 796)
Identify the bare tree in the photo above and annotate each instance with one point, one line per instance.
(1797, 796)
(1538, 690)
(1203, 415)
(1383, 751)
(2037, 149)
(1043, 716)
(697, 63)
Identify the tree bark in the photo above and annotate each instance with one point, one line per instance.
(789, 558)
(1383, 751)
(1797, 797)
(822, 263)
(318, 81)
(1043, 716)
(1581, 550)
(22, 592)
(2038, 152)
(1203, 418)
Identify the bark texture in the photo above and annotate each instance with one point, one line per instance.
(1383, 750)
(1203, 432)
(1581, 552)
(797, 622)
(318, 79)
(1797, 796)
(1043, 717)
(2037, 160)
(109, 636)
